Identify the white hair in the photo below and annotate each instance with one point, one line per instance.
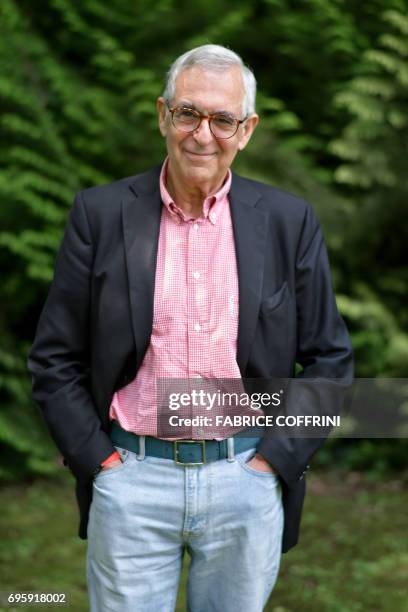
(214, 58)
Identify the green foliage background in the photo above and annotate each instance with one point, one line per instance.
(78, 82)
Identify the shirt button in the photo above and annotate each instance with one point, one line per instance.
(213, 217)
(196, 275)
(197, 327)
(195, 226)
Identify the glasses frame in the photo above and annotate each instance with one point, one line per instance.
(202, 116)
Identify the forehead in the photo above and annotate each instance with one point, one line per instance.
(210, 90)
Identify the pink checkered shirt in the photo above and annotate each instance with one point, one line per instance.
(195, 316)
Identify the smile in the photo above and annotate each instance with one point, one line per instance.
(203, 155)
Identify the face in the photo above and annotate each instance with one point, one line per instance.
(198, 159)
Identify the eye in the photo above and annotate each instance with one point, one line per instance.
(185, 113)
(224, 121)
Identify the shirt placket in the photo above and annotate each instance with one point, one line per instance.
(197, 307)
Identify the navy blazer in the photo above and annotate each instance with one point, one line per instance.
(97, 320)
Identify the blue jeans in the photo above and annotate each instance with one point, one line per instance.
(147, 511)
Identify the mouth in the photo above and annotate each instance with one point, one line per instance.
(200, 155)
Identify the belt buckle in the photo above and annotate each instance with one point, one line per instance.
(176, 452)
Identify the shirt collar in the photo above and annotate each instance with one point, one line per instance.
(212, 205)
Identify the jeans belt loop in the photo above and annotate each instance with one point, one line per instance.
(230, 449)
(142, 448)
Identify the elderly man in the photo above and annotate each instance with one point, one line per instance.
(185, 271)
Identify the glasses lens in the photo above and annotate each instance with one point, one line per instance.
(185, 119)
(223, 126)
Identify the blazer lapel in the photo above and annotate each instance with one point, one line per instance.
(250, 230)
(141, 227)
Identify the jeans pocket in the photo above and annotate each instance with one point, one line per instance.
(243, 460)
(124, 455)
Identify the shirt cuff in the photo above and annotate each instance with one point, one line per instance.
(111, 457)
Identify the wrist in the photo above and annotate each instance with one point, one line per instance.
(265, 461)
(260, 457)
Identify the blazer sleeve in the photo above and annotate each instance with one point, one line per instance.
(59, 360)
(323, 350)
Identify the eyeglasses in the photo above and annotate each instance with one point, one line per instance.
(188, 120)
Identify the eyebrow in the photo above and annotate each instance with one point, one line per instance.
(187, 104)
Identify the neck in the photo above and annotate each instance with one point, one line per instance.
(189, 199)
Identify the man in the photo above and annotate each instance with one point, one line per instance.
(185, 271)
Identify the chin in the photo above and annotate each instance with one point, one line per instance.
(198, 174)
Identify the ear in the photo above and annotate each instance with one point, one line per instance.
(162, 112)
(246, 131)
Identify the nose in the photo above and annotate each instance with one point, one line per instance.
(203, 135)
